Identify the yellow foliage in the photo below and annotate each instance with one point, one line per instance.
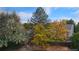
(59, 30)
(39, 34)
(55, 31)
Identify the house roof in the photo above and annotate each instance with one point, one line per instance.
(69, 26)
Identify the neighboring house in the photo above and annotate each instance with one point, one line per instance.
(70, 28)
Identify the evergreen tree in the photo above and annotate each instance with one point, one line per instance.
(70, 21)
(76, 28)
(39, 16)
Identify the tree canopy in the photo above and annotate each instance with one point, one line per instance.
(11, 29)
(39, 16)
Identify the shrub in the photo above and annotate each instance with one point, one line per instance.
(75, 40)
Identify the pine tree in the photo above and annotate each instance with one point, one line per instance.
(39, 16)
(76, 28)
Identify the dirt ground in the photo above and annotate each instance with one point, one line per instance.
(57, 48)
(38, 48)
(48, 48)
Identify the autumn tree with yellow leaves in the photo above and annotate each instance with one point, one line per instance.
(58, 31)
(40, 35)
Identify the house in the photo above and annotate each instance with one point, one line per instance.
(70, 28)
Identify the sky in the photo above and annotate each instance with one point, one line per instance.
(54, 13)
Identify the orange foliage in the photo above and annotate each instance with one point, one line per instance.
(55, 31)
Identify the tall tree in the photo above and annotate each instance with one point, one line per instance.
(39, 16)
(76, 28)
(11, 29)
(58, 31)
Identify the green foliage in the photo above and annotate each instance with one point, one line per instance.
(27, 26)
(76, 28)
(10, 29)
(75, 40)
(70, 21)
(39, 16)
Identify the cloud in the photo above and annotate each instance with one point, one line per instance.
(76, 19)
(24, 16)
(64, 17)
(60, 18)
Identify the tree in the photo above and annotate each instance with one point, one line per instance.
(76, 28)
(58, 31)
(11, 29)
(39, 16)
(70, 22)
(75, 40)
(40, 35)
(27, 26)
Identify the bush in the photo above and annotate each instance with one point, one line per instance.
(75, 40)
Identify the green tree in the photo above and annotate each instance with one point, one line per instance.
(70, 21)
(75, 40)
(39, 16)
(76, 28)
(27, 26)
(11, 29)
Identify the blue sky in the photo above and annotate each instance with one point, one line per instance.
(55, 13)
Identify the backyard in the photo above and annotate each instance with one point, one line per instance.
(37, 33)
